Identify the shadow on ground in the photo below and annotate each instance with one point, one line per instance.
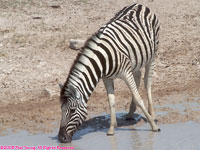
(102, 124)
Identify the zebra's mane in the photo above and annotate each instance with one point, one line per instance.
(87, 42)
(63, 96)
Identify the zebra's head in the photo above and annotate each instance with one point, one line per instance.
(74, 112)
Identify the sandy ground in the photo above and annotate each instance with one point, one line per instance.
(35, 57)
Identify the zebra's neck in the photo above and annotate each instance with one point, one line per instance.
(86, 72)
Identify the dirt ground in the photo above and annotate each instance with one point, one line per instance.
(35, 57)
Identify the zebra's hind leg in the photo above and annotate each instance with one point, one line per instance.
(132, 109)
(147, 82)
(111, 99)
(129, 79)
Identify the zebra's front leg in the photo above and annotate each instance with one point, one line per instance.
(133, 107)
(111, 99)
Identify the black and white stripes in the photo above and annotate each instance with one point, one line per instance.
(130, 38)
(125, 44)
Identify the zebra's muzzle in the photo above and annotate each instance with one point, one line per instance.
(63, 136)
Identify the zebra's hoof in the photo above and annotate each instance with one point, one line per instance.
(157, 130)
(110, 133)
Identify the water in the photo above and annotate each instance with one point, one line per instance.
(128, 136)
(92, 136)
(183, 136)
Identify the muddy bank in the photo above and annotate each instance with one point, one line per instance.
(44, 118)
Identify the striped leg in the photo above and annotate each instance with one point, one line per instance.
(132, 109)
(129, 79)
(147, 82)
(111, 99)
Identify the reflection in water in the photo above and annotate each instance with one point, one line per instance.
(137, 141)
(140, 141)
(96, 126)
(151, 138)
(131, 139)
(113, 142)
(93, 136)
(66, 145)
(182, 136)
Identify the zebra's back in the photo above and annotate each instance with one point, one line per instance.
(131, 35)
(127, 42)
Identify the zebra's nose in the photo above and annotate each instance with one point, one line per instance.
(63, 137)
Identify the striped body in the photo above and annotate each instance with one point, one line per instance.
(129, 40)
(123, 46)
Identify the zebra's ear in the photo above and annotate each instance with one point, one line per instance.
(75, 93)
(60, 86)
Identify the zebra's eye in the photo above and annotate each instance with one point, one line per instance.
(72, 110)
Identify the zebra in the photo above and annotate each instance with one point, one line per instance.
(119, 49)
